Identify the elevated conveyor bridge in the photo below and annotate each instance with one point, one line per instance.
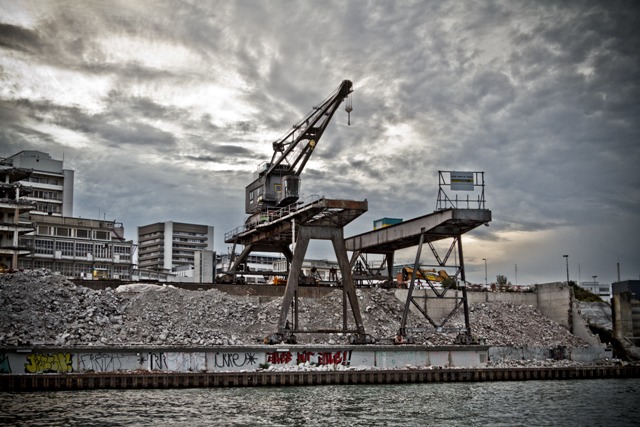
(448, 224)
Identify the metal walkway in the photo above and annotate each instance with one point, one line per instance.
(435, 226)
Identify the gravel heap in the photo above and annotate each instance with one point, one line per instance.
(42, 308)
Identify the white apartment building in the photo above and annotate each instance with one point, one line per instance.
(168, 246)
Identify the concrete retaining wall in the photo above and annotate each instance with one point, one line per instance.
(586, 354)
(223, 359)
(553, 300)
(241, 359)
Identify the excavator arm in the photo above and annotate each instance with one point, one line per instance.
(277, 182)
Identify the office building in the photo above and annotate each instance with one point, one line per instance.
(169, 246)
(79, 248)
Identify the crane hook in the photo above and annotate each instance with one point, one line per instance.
(349, 109)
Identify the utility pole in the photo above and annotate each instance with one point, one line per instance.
(566, 257)
(485, 271)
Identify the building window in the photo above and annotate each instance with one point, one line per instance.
(82, 249)
(65, 248)
(44, 230)
(82, 233)
(102, 235)
(63, 231)
(44, 247)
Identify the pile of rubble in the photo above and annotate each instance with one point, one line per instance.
(42, 308)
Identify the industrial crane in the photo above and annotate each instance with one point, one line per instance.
(278, 181)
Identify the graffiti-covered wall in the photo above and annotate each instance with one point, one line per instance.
(35, 360)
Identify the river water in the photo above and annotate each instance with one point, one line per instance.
(611, 403)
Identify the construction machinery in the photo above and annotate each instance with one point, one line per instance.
(277, 183)
(278, 222)
(430, 275)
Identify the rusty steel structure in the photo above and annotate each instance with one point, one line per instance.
(277, 220)
(446, 224)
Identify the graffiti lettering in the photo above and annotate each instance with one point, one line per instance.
(335, 358)
(55, 362)
(234, 360)
(304, 356)
(185, 361)
(101, 362)
(157, 361)
(5, 367)
(279, 357)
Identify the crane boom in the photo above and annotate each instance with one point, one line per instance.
(278, 181)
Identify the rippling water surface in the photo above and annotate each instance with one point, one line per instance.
(531, 403)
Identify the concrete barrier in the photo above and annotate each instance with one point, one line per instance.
(38, 360)
(41, 360)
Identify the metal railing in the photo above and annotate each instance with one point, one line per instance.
(272, 214)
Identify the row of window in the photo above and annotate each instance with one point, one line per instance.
(77, 269)
(79, 233)
(78, 249)
(47, 207)
(45, 180)
(46, 194)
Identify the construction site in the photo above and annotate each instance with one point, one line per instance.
(51, 325)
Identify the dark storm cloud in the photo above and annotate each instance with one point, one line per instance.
(19, 38)
(222, 153)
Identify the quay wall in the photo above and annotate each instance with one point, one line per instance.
(226, 359)
(55, 382)
(38, 360)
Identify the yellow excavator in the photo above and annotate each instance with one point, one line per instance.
(429, 274)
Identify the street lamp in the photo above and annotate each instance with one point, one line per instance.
(567, 258)
(594, 279)
(485, 271)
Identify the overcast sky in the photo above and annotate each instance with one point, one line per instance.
(164, 109)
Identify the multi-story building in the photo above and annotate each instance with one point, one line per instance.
(47, 235)
(52, 185)
(166, 246)
(78, 248)
(13, 204)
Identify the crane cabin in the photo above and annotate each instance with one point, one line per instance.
(277, 182)
(276, 189)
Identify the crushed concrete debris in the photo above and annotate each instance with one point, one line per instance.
(41, 308)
